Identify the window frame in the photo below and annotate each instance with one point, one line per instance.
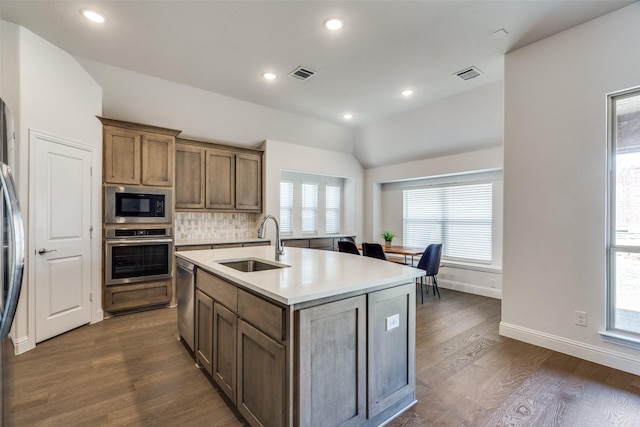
(613, 333)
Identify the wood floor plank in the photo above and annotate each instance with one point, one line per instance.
(132, 370)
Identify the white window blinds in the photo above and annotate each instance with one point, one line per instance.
(286, 207)
(309, 208)
(332, 215)
(458, 216)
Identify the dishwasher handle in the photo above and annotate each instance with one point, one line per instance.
(185, 265)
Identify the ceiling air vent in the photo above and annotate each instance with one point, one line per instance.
(468, 73)
(302, 73)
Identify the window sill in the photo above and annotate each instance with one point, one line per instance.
(627, 340)
(475, 267)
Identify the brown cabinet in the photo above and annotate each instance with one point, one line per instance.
(332, 360)
(204, 330)
(137, 154)
(261, 377)
(190, 184)
(247, 363)
(225, 329)
(136, 295)
(217, 177)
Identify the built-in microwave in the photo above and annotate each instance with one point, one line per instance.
(136, 205)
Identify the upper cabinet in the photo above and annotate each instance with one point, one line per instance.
(217, 177)
(137, 154)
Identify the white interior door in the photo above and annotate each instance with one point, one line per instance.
(62, 221)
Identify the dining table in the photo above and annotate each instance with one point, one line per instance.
(406, 251)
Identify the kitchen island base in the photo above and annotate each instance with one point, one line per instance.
(342, 360)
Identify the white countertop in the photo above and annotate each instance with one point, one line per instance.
(214, 241)
(312, 273)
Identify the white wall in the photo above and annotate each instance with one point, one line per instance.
(468, 121)
(384, 211)
(293, 157)
(206, 115)
(55, 96)
(555, 184)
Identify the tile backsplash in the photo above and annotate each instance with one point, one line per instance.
(215, 225)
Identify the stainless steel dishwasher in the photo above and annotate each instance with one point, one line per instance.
(185, 284)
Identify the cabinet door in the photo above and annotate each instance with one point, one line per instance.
(204, 330)
(261, 377)
(157, 159)
(221, 181)
(121, 156)
(190, 173)
(392, 355)
(333, 360)
(225, 328)
(248, 182)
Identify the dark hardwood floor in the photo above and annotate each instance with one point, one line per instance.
(132, 370)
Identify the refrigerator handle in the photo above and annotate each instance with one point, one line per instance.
(17, 248)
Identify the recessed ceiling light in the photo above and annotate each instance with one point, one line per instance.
(348, 116)
(333, 24)
(269, 76)
(407, 92)
(93, 16)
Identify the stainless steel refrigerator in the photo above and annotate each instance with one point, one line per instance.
(11, 260)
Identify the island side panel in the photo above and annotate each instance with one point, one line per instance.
(391, 351)
(332, 363)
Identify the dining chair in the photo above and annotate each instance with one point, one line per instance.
(347, 246)
(430, 262)
(348, 238)
(373, 250)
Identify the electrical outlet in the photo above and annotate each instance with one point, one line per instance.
(581, 318)
(492, 283)
(393, 322)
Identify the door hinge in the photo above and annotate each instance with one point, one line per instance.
(91, 170)
(90, 296)
(91, 232)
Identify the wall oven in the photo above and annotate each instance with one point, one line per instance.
(138, 255)
(137, 205)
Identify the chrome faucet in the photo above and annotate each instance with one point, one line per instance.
(279, 247)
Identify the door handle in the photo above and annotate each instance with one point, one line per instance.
(43, 251)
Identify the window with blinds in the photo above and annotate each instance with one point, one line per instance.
(332, 209)
(309, 222)
(458, 216)
(286, 207)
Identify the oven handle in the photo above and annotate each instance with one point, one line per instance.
(137, 241)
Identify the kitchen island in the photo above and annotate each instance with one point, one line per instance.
(316, 338)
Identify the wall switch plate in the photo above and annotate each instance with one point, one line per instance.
(393, 322)
(581, 318)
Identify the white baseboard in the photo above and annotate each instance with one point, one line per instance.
(603, 356)
(470, 289)
(22, 345)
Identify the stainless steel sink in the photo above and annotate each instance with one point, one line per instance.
(248, 265)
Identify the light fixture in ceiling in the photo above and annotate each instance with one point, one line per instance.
(348, 116)
(407, 92)
(269, 76)
(93, 16)
(333, 23)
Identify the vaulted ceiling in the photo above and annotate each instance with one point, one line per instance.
(383, 48)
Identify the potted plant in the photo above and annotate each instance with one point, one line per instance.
(388, 237)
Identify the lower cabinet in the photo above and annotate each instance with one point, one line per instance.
(132, 296)
(204, 330)
(391, 363)
(261, 377)
(347, 362)
(333, 359)
(225, 329)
